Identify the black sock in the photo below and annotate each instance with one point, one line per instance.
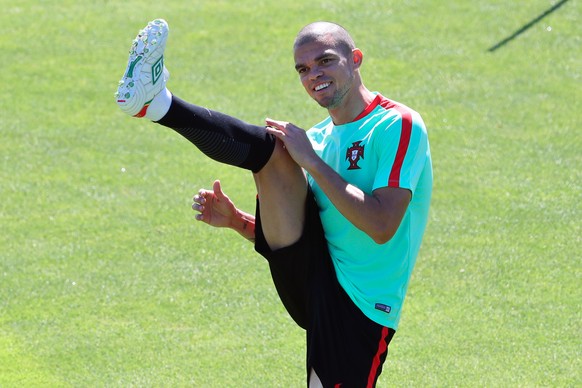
(221, 137)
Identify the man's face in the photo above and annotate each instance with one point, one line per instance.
(326, 73)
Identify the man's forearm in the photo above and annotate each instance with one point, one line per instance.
(244, 224)
(378, 217)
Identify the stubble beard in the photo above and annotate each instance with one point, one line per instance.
(337, 98)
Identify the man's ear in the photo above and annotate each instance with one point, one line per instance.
(358, 56)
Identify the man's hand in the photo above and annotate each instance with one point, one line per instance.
(295, 140)
(214, 207)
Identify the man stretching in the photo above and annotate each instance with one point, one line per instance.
(341, 208)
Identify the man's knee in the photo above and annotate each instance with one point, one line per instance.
(314, 381)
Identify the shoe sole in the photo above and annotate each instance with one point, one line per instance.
(145, 75)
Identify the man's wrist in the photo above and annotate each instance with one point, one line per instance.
(240, 221)
(244, 224)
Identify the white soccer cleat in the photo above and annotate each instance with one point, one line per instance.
(145, 75)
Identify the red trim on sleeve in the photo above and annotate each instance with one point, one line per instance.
(406, 131)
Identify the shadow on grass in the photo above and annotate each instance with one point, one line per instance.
(526, 26)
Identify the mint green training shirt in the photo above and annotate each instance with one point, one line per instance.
(387, 145)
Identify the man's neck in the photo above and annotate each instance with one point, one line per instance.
(352, 107)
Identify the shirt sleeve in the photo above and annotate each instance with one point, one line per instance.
(402, 149)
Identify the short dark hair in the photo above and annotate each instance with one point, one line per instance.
(328, 32)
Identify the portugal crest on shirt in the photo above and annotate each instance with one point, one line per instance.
(354, 154)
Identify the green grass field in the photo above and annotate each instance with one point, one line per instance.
(107, 280)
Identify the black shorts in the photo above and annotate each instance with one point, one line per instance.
(343, 345)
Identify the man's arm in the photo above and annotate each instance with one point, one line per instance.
(378, 214)
(216, 209)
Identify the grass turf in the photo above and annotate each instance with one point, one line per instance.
(105, 278)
